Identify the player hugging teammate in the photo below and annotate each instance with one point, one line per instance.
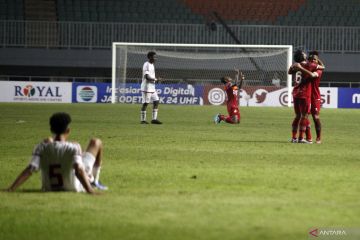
(306, 95)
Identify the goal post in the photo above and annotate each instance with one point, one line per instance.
(201, 64)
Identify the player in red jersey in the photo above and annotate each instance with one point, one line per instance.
(303, 73)
(232, 93)
(315, 94)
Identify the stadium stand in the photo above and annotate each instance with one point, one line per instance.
(169, 11)
(11, 10)
(255, 12)
(42, 10)
(76, 34)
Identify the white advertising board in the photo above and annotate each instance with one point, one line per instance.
(35, 92)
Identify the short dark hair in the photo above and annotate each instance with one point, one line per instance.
(314, 52)
(151, 54)
(59, 122)
(224, 79)
(299, 56)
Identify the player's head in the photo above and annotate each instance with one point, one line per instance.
(299, 56)
(225, 79)
(59, 123)
(151, 56)
(313, 56)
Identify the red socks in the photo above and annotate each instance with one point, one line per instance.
(295, 126)
(317, 128)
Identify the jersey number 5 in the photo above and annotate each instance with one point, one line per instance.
(56, 179)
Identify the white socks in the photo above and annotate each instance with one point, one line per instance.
(143, 116)
(154, 114)
(96, 173)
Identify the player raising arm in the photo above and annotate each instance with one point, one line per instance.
(62, 164)
(232, 102)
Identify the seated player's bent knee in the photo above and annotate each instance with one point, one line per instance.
(96, 142)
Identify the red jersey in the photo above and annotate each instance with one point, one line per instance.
(315, 90)
(232, 95)
(302, 84)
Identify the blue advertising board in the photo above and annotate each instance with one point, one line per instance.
(349, 98)
(168, 93)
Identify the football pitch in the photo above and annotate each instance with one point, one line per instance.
(187, 178)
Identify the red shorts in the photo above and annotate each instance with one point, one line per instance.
(301, 106)
(234, 111)
(315, 106)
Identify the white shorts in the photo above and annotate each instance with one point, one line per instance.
(88, 160)
(149, 96)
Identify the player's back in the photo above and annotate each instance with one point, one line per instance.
(302, 83)
(56, 162)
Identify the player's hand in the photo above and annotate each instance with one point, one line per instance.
(242, 76)
(296, 66)
(237, 71)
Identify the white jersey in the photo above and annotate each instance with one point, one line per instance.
(149, 69)
(56, 161)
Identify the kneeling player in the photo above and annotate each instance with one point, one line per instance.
(232, 93)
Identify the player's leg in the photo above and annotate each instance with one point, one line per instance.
(304, 121)
(315, 112)
(94, 148)
(155, 99)
(234, 116)
(308, 129)
(296, 121)
(145, 101)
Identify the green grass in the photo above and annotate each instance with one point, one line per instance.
(187, 178)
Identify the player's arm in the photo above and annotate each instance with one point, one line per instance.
(298, 67)
(149, 79)
(321, 65)
(239, 78)
(81, 175)
(24, 175)
(291, 70)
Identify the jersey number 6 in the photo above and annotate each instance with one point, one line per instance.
(298, 77)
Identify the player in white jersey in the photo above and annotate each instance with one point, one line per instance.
(148, 90)
(63, 166)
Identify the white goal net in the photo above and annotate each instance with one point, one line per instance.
(191, 72)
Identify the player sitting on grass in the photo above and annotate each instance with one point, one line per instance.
(232, 93)
(63, 166)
